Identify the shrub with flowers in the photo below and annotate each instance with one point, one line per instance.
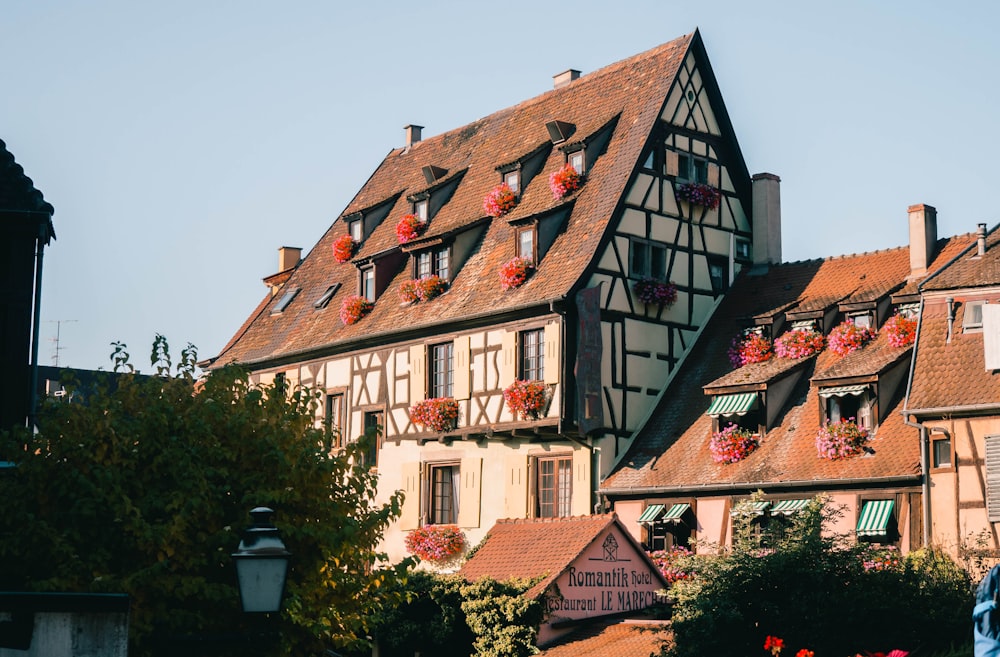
(564, 181)
(515, 272)
(409, 291)
(354, 308)
(439, 414)
(429, 287)
(901, 330)
(847, 337)
(499, 201)
(525, 398)
(670, 563)
(344, 248)
(650, 290)
(841, 440)
(436, 543)
(699, 194)
(750, 348)
(879, 557)
(733, 444)
(409, 228)
(799, 344)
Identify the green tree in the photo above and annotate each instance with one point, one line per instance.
(145, 489)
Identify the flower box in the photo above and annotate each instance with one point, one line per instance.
(650, 290)
(409, 291)
(344, 248)
(841, 440)
(670, 563)
(799, 344)
(525, 398)
(499, 201)
(902, 331)
(733, 444)
(699, 194)
(564, 181)
(847, 337)
(439, 414)
(409, 228)
(436, 543)
(429, 287)
(354, 308)
(750, 348)
(515, 272)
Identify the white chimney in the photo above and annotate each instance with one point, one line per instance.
(412, 134)
(923, 238)
(766, 219)
(562, 79)
(981, 240)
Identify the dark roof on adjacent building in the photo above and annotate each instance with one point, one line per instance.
(625, 98)
(672, 450)
(17, 192)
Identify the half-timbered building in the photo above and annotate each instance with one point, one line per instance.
(685, 475)
(581, 285)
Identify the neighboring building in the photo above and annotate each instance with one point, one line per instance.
(954, 397)
(669, 489)
(25, 229)
(588, 568)
(642, 133)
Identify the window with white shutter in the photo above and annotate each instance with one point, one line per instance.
(993, 478)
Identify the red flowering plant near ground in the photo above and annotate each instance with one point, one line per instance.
(499, 201)
(847, 337)
(354, 308)
(902, 331)
(344, 248)
(669, 563)
(409, 228)
(733, 444)
(879, 557)
(439, 414)
(799, 344)
(515, 272)
(650, 290)
(437, 543)
(775, 645)
(699, 194)
(750, 348)
(564, 181)
(841, 440)
(525, 398)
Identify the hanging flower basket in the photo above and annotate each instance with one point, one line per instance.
(525, 398)
(671, 563)
(409, 228)
(515, 272)
(429, 287)
(841, 440)
(344, 248)
(799, 344)
(733, 444)
(409, 291)
(847, 337)
(650, 290)
(750, 348)
(354, 308)
(436, 543)
(564, 181)
(499, 201)
(699, 194)
(901, 330)
(440, 414)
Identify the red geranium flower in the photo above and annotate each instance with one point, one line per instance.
(409, 228)
(564, 181)
(344, 248)
(515, 272)
(354, 308)
(499, 201)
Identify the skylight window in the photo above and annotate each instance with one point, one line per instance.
(324, 298)
(284, 301)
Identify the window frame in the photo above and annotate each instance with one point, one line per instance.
(720, 285)
(692, 168)
(366, 276)
(969, 324)
(441, 354)
(369, 458)
(867, 402)
(653, 251)
(515, 176)
(432, 508)
(577, 155)
(333, 415)
(356, 229)
(531, 366)
(428, 262)
(892, 534)
(938, 440)
(561, 505)
(529, 230)
(421, 209)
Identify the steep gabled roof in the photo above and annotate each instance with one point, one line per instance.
(672, 450)
(17, 192)
(624, 98)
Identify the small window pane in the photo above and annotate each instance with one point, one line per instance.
(942, 453)
(700, 171)
(683, 166)
(555, 487)
(576, 161)
(368, 284)
(512, 178)
(444, 491)
(863, 320)
(442, 260)
(355, 229)
(533, 355)
(420, 209)
(424, 264)
(658, 261)
(639, 265)
(526, 244)
(442, 373)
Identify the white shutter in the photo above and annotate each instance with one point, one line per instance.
(553, 352)
(581, 483)
(508, 359)
(993, 478)
(461, 387)
(991, 335)
(472, 488)
(409, 518)
(418, 373)
(516, 486)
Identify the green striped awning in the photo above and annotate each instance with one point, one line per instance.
(675, 512)
(749, 508)
(651, 513)
(843, 391)
(875, 516)
(737, 404)
(788, 507)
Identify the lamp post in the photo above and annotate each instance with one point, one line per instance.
(261, 564)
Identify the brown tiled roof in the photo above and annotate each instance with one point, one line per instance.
(970, 270)
(17, 192)
(627, 95)
(615, 639)
(672, 450)
(538, 547)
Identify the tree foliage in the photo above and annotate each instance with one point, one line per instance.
(144, 489)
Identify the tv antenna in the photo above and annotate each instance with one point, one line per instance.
(55, 340)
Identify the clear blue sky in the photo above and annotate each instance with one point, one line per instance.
(183, 142)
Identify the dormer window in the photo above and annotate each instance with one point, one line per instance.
(743, 409)
(972, 318)
(577, 160)
(526, 243)
(356, 230)
(513, 180)
(420, 209)
(692, 169)
(434, 262)
(368, 283)
(861, 320)
(850, 402)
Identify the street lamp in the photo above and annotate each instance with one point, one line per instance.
(261, 564)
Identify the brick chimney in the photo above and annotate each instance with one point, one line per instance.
(412, 134)
(923, 238)
(288, 257)
(766, 219)
(562, 79)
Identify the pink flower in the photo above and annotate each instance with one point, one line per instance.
(439, 414)
(650, 290)
(525, 398)
(799, 344)
(699, 194)
(667, 562)
(902, 330)
(750, 348)
(564, 181)
(499, 201)
(354, 308)
(847, 337)
(436, 542)
(733, 444)
(409, 228)
(515, 272)
(841, 440)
